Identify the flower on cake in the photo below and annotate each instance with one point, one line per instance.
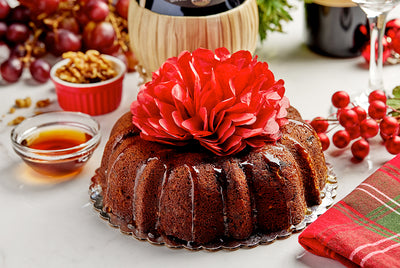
(224, 101)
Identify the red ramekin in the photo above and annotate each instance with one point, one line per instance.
(92, 98)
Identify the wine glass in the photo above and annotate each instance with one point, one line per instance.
(376, 11)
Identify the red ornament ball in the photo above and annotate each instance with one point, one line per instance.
(340, 99)
(360, 149)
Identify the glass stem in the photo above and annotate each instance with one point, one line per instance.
(377, 30)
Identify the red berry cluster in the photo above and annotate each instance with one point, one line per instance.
(359, 125)
(391, 42)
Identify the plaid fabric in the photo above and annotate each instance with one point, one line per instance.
(363, 229)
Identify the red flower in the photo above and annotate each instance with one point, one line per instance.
(223, 101)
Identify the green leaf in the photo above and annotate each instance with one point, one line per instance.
(272, 13)
(394, 114)
(396, 92)
(394, 103)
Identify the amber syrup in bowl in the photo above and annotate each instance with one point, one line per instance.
(56, 143)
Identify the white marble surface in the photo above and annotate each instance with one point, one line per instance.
(53, 224)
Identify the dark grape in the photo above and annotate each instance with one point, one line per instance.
(113, 50)
(99, 36)
(122, 8)
(18, 51)
(40, 70)
(4, 9)
(131, 60)
(82, 17)
(17, 33)
(11, 69)
(67, 41)
(71, 24)
(86, 3)
(20, 14)
(50, 42)
(47, 6)
(3, 29)
(97, 10)
(39, 7)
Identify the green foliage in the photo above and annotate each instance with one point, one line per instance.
(395, 101)
(272, 13)
(396, 92)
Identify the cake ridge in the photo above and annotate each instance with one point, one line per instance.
(238, 197)
(192, 171)
(163, 181)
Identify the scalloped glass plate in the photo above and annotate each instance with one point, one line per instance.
(312, 213)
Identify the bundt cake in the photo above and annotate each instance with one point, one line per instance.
(210, 192)
(189, 195)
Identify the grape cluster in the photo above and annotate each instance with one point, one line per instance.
(357, 125)
(37, 27)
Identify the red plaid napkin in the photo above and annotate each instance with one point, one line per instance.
(363, 229)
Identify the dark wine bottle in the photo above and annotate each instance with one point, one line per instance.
(333, 28)
(190, 7)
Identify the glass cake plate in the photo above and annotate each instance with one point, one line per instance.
(312, 213)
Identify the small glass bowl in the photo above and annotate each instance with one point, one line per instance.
(92, 98)
(56, 162)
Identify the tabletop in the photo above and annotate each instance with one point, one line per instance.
(52, 223)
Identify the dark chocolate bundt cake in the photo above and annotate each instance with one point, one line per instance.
(190, 195)
(211, 153)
